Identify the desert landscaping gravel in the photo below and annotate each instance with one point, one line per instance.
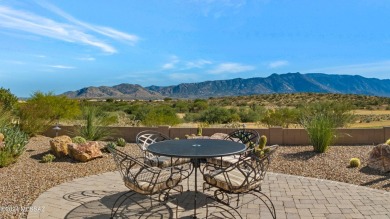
(22, 182)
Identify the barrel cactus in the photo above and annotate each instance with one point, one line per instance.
(79, 140)
(121, 142)
(354, 162)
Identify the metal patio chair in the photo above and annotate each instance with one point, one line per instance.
(244, 177)
(148, 137)
(143, 179)
(248, 137)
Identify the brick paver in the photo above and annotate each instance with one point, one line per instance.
(293, 197)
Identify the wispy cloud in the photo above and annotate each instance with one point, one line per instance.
(219, 8)
(107, 31)
(278, 64)
(231, 68)
(198, 63)
(172, 63)
(75, 31)
(87, 58)
(367, 69)
(61, 66)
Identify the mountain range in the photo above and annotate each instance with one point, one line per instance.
(275, 83)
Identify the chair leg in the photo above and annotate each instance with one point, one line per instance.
(226, 211)
(267, 201)
(113, 213)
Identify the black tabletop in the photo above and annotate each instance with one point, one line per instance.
(196, 148)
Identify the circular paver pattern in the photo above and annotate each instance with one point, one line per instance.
(293, 197)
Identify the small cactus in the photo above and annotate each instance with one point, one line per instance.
(388, 141)
(79, 140)
(48, 158)
(111, 145)
(263, 142)
(120, 142)
(199, 131)
(354, 162)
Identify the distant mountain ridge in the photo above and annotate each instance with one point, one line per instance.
(275, 83)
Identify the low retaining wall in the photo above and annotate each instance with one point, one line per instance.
(275, 135)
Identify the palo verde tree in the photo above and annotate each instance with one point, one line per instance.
(42, 110)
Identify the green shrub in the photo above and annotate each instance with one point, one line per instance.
(42, 110)
(7, 99)
(320, 129)
(79, 140)
(121, 142)
(216, 115)
(354, 162)
(162, 115)
(48, 158)
(6, 158)
(15, 140)
(94, 127)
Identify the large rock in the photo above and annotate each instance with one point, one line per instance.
(379, 158)
(85, 152)
(59, 145)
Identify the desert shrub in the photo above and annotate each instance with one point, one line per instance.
(5, 117)
(15, 140)
(7, 99)
(181, 106)
(354, 162)
(215, 115)
(121, 142)
(48, 158)
(6, 158)
(252, 114)
(321, 131)
(79, 140)
(42, 110)
(388, 141)
(198, 105)
(283, 117)
(94, 124)
(162, 115)
(339, 113)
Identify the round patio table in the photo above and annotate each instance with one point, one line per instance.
(196, 149)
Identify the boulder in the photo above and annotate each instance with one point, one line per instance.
(59, 145)
(1, 137)
(379, 158)
(85, 152)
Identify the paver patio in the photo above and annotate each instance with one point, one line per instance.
(293, 197)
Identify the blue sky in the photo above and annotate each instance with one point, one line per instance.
(65, 45)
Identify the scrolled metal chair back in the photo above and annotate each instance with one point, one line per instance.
(127, 164)
(148, 137)
(248, 137)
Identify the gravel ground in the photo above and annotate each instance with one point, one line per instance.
(22, 182)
